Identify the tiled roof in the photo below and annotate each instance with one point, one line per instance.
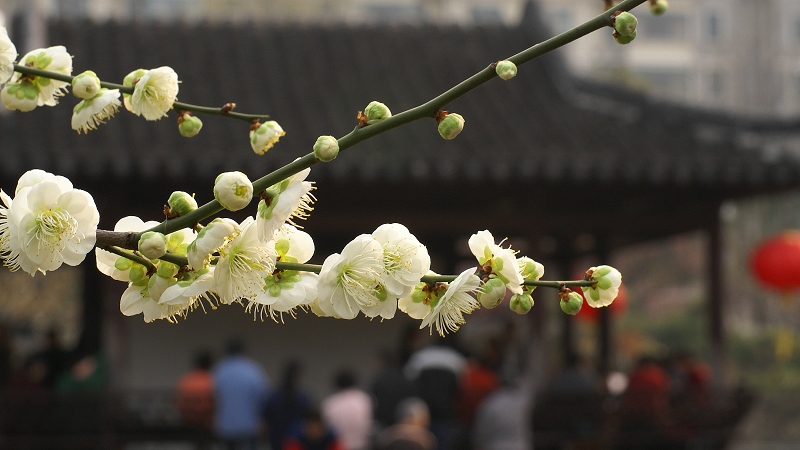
(541, 126)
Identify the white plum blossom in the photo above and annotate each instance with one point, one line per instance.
(405, 260)
(449, 309)
(8, 54)
(264, 136)
(49, 223)
(119, 267)
(285, 290)
(244, 263)
(348, 281)
(146, 290)
(185, 294)
(90, 113)
(128, 82)
(154, 93)
(417, 304)
(501, 261)
(415, 310)
(608, 281)
(36, 176)
(53, 59)
(233, 190)
(284, 201)
(211, 239)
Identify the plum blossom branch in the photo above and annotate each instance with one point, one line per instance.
(425, 110)
(131, 256)
(177, 106)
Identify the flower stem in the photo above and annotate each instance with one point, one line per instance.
(439, 278)
(135, 258)
(177, 106)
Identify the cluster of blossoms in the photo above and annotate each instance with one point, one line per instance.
(260, 262)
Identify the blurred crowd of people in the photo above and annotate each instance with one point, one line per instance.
(52, 368)
(429, 395)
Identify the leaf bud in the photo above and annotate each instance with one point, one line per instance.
(376, 111)
(658, 7)
(264, 136)
(521, 303)
(181, 203)
(85, 85)
(625, 23)
(572, 304)
(326, 148)
(492, 293)
(506, 70)
(451, 125)
(233, 190)
(624, 39)
(152, 245)
(189, 125)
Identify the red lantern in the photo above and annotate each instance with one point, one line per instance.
(776, 262)
(617, 307)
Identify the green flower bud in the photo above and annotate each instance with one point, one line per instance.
(492, 293)
(625, 23)
(189, 125)
(451, 125)
(181, 203)
(376, 111)
(152, 245)
(521, 303)
(659, 7)
(326, 148)
(624, 39)
(506, 70)
(573, 303)
(86, 85)
(233, 190)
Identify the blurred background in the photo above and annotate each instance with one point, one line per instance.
(671, 158)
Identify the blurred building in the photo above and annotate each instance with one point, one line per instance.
(723, 54)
